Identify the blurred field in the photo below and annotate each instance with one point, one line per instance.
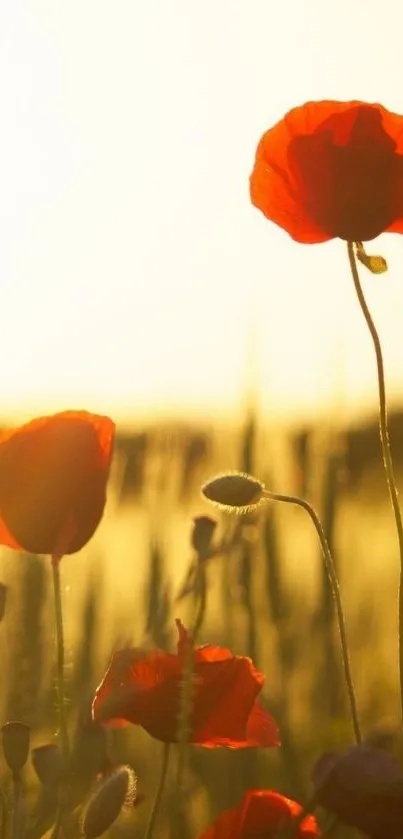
(269, 598)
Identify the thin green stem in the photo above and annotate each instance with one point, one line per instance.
(300, 502)
(158, 792)
(385, 442)
(188, 671)
(201, 589)
(64, 741)
(4, 813)
(18, 826)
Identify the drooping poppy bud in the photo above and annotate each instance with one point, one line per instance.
(115, 792)
(235, 492)
(48, 763)
(16, 737)
(363, 787)
(202, 534)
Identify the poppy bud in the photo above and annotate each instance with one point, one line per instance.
(3, 600)
(105, 805)
(235, 491)
(202, 534)
(48, 763)
(363, 787)
(89, 754)
(16, 737)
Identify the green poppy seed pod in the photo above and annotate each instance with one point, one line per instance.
(202, 534)
(48, 763)
(106, 803)
(236, 492)
(16, 737)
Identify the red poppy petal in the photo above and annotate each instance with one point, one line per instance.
(225, 695)
(273, 188)
(332, 169)
(261, 732)
(211, 653)
(393, 125)
(138, 687)
(349, 175)
(53, 473)
(264, 808)
(144, 688)
(272, 810)
(396, 226)
(7, 539)
(261, 813)
(204, 653)
(272, 192)
(224, 827)
(262, 729)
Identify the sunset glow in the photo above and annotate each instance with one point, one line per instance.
(137, 279)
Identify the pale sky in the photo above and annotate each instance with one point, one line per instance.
(134, 270)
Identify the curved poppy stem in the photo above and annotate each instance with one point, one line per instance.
(158, 792)
(64, 741)
(329, 564)
(385, 443)
(201, 589)
(18, 826)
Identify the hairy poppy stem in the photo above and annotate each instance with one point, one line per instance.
(300, 502)
(18, 825)
(64, 740)
(188, 670)
(201, 589)
(60, 658)
(385, 442)
(158, 793)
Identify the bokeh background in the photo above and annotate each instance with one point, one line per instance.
(137, 280)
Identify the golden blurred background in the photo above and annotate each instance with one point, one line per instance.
(269, 598)
(138, 281)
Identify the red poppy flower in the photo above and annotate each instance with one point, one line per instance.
(332, 169)
(364, 787)
(144, 688)
(261, 813)
(53, 477)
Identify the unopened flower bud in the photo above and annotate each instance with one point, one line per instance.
(16, 736)
(48, 763)
(115, 792)
(89, 753)
(202, 534)
(235, 491)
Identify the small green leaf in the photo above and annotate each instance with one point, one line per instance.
(376, 264)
